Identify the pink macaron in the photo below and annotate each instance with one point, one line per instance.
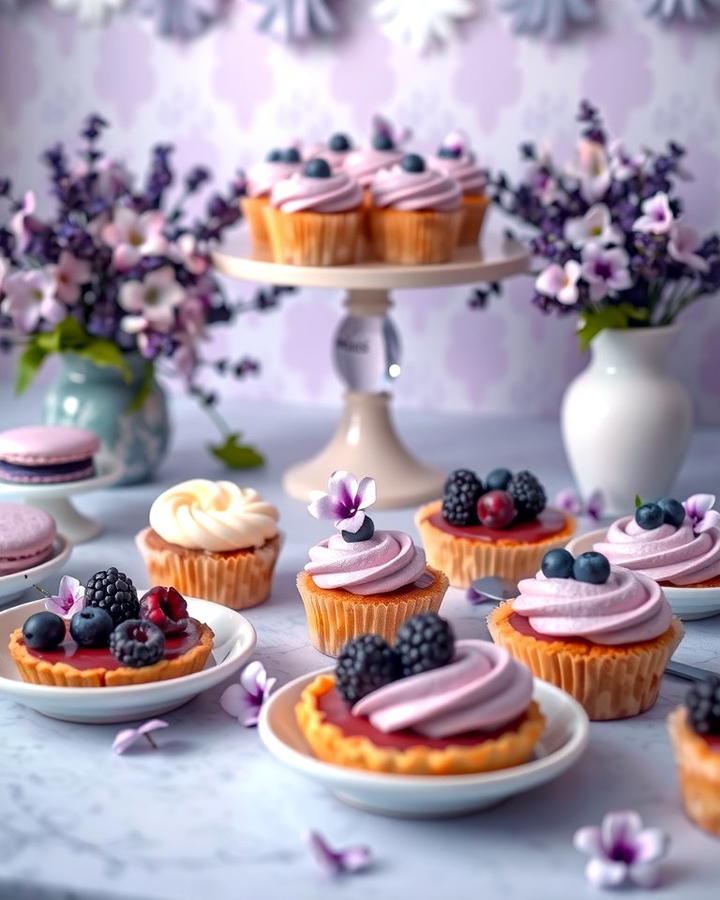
(26, 537)
(46, 454)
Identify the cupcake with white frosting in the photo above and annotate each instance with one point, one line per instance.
(213, 540)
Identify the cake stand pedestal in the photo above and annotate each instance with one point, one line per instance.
(367, 358)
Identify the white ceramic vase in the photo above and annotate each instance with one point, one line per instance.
(626, 422)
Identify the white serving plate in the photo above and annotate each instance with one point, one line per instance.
(234, 643)
(686, 602)
(13, 586)
(427, 796)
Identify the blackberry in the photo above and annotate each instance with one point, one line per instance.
(137, 643)
(703, 704)
(423, 643)
(114, 592)
(462, 491)
(528, 496)
(365, 664)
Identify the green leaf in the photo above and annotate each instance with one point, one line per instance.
(235, 455)
(105, 353)
(144, 388)
(592, 322)
(67, 335)
(638, 501)
(29, 363)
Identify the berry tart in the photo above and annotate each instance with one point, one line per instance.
(695, 735)
(261, 179)
(112, 638)
(362, 580)
(455, 159)
(677, 544)
(602, 633)
(47, 454)
(500, 526)
(429, 705)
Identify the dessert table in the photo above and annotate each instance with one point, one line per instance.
(211, 814)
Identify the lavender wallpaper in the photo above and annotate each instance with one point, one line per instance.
(223, 99)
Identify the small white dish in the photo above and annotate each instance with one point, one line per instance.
(15, 585)
(234, 643)
(427, 796)
(686, 602)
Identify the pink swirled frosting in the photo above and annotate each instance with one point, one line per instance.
(482, 689)
(667, 553)
(628, 608)
(430, 190)
(364, 164)
(463, 169)
(300, 193)
(263, 176)
(386, 562)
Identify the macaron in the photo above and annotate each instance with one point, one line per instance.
(46, 454)
(26, 537)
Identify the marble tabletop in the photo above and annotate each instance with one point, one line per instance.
(212, 815)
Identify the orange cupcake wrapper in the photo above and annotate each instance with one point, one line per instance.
(463, 560)
(336, 616)
(329, 744)
(610, 682)
(314, 239)
(698, 768)
(475, 207)
(415, 238)
(238, 581)
(253, 209)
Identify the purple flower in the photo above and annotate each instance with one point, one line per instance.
(622, 851)
(31, 297)
(569, 501)
(382, 127)
(344, 502)
(244, 701)
(134, 235)
(69, 599)
(70, 275)
(456, 142)
(152, 301)
(657, 217)
(337, 862)
(128, 736)
(699, 508)
(560, 282)
(605, 270)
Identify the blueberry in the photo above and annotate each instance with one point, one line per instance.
(43, 631)
(558, 564)
(673, 511)
(649, 516)
(383, 142)
(275, 155)
(290, 155)
(366, 531)
(317, 168)
(91, 627)
(339, 143)
(592, 568)
(498, 479)
(412, 162)
(449, 153)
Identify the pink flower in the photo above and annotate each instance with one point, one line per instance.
(3, 272)
(70, 275)
(560, 282)
(345, 501)
(128, 736)
(186, 251)
(134, 235)
(338, 862)
(153, 301)
(244, 701)
(30, 297)
(684, 240)
(594, 227)
(593, 170)
(69, 599)
(605, 270)
(17, 222)
(699, 509)
(657, 217)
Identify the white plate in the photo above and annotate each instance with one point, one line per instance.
(13, 586)
(234, 643)
(686, 602)
(563, 742)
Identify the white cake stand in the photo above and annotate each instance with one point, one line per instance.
(365, 441)
(57, 499)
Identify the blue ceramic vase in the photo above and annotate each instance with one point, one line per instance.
(98, 398)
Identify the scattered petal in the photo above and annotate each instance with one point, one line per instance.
(336, 862)
(128, 736)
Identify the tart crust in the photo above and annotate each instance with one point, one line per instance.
(330, 744)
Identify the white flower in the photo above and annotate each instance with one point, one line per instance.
(605, 270)
(134, 235)
(657, 217)
(684, 241)
(422, 25)
(153, 300)
(593, 170)
(90, 12)
(560, 282)
(594, 227)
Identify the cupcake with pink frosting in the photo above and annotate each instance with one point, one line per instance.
(361, 580)
(455, 159)
(260, 180)
(383, 152)
(600, 632)
(416, 213)
(429, 705)
(314, 217)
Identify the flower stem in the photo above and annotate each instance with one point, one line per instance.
(150, 740)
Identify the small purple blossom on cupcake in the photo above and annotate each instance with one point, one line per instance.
(456, 143)
(337, 862)
(244, 701)
(621, 850)
(70, 598)
(345, 501)
(383, 128)
(699, 508)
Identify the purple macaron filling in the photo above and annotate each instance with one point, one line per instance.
(82, 468)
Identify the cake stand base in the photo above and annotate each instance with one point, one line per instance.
(366, 443)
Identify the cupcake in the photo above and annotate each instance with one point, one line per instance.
(261, 179)
(336, 151)
(602, 633)
(314, 217)
(383, 152)
(695, 735)
(501, 527)
(361, 580)
(455, 160)
(214, 540)
(427, 706)
(416, 213)
(677, 544)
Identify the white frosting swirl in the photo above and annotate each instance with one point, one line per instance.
(218, 516)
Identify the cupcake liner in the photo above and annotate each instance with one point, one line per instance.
(698, 767)
(463, 560)
(238, 580)
(329, 744)
(336, 616)
(415, 237)
(475, 207)
(314, 239)
(254, 211)
(611, 682)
